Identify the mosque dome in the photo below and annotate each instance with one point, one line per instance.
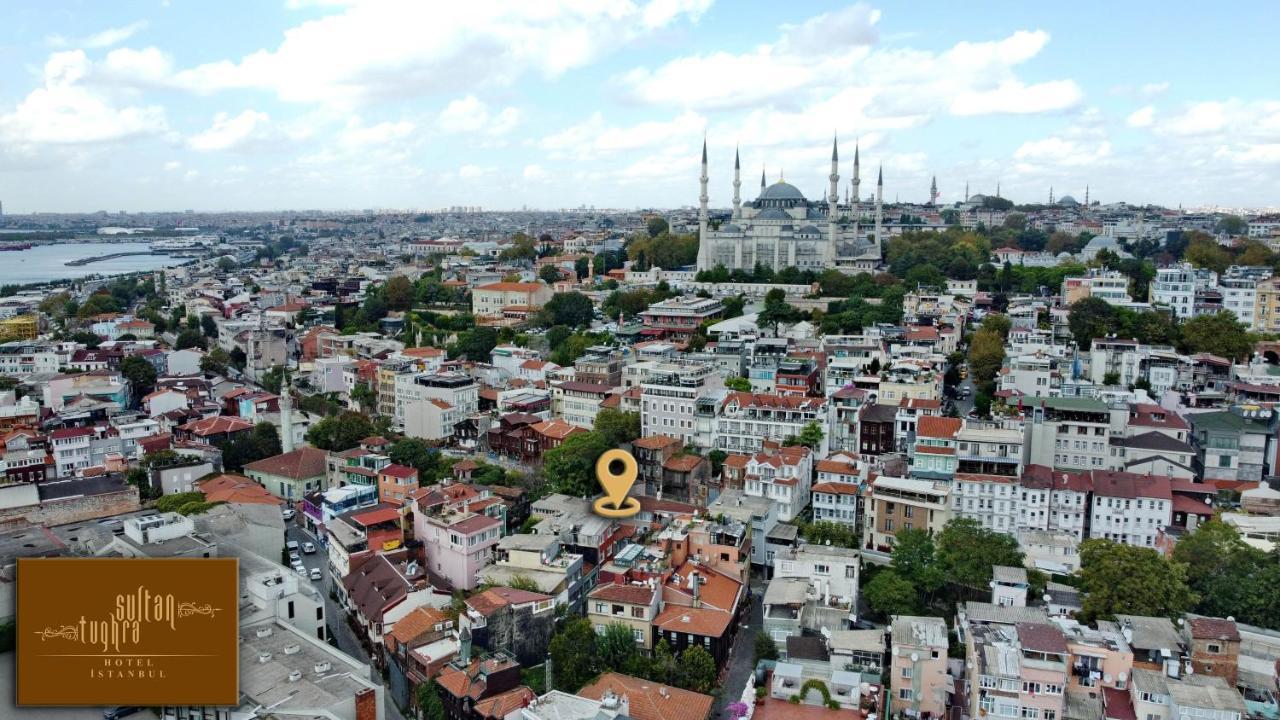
(1067, 200)
(773, 214)
(782, 190)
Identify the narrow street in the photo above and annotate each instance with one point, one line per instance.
(335, 617)
(742, 658)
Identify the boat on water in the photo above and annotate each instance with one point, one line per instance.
(15, 246)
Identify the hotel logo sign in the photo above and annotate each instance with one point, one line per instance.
(113, 631)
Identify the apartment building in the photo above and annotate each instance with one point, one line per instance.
(1131, 509)
(783, 475)
(933, 456)
(432, 405)
(1017, 670)
(746, 420)
(1054, 501)
(679, 398)
(895, 504)
(458, 544)
(837, 494)
(1174, 287)
(1108, 285)
(579, 402)
(633, 604)
(1069, 433)
(1266, 306)
(918, 667)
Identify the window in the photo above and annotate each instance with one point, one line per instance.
(320, 613)
(1049, 714)
(638, 634)
(987, 682)
(290, 609)
(637, 612)
(602, 608)
(1008, 685)
(906, 671)
(1214, 648)
(1052, 689)
(904, 694)
(1030, 687)
(1030, 713)
(821, 570)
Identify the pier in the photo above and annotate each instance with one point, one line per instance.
(112, 256)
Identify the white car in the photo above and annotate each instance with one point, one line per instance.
(288, 513)
(292, 545)
(315, 574)
(295, 558)
(300, 570)
(308, 548)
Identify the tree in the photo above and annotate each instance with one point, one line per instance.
(889, 593)
(1203, 251)
(738, 383)
(238, 359)
(572, 309)
(1015, 221)
(215, 362)
(697, 670)
(656, 226)
(766, 648)
(810, 436)
(999, 323)
(273, 379)
(475, 344)
(1232, 225)
(340, 432)
(190, 339)
(549, 274)
(208, 326)
(570, 468)
(1090, 318)
(914, 560)
(427, 697)
(226, 264)
(582, 267)
(1231, 578)
(986, 355)
(1155, 328)
(574, 655)
(1217, 334)
(967, 551)
(138, 478)
(415, 453)
(140, 374)
(86, 338)
(616, 647)
(398, 293)
(265, 441)
(617, 427)
(364, 396)
(1131, 580)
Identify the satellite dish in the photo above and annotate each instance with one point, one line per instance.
(915, 657)
(1106, 677)
(1122, 676)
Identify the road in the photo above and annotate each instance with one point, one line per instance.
(742, 659)
(340, 631)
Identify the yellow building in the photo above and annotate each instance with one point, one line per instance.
(21, 327)
(1266, 306)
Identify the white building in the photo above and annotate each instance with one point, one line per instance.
(1053, 501)
(1130, 509)
(746, 420)
(837, 492)
(1174, 287)
(785, 476)
(678, 399)
(832, 572)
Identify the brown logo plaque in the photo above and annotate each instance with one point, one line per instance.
(115, 631)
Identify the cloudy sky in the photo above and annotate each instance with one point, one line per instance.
(270, 104)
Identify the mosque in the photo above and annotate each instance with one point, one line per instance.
(781, 228)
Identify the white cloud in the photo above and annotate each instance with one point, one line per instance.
(472, 172)
(172, 165)
(1153, 89)
(400, 48)
(114, 36)
(534, 172)
(1061, 152)
(66, 111)
(230, 132)
(1143, 117)
(594, 137)
(148, 67)
(470, 115)
(1014, 98)
(1199, 119)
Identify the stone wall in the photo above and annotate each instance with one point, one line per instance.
(521, 634)
(73, 509)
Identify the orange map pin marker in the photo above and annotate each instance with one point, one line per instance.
(617, 471)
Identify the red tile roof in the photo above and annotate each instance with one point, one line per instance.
(938, 427)
(496, 598)
(301, 464)
(618, 592)
(217, 425)
(233, 488)
(647, 700)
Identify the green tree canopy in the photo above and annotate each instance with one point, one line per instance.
(617, 427)
(1090, 318)
(1218, 334)
(574, 655)
(888, 593)
(697, 670)
(140, 374)
(340, 432)
(967, 551)
(1131, 580)
(571, 467)
(738, 384)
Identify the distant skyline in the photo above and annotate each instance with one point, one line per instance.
(330, 104)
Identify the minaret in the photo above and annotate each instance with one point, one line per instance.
(933, 191)
(997, 188)
(1050, 194)
(704, 242)
(286, 414)
(762, 169)
(833, 199)
(879, 209)
(966, 191)
(855, 210)
(1086, 196)
(737, 184)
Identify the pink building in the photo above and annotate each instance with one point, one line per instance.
(1018, 671)
(458, 545)
(918, 671)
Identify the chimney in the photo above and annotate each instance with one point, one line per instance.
(366, 704)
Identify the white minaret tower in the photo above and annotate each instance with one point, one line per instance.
(704, 242)
(286, 415)
(833, 201)
(737, 185)
(855, 209)
(880, 209)
(933, 191)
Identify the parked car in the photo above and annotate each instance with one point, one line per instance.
(315, 574)
(301, 570)
(115, 713)
(295, 559)
(288, 513)
(292, 545)
(308, 548)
